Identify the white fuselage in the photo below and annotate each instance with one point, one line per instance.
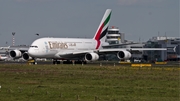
(49, 47)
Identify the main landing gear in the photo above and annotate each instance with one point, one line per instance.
(56, 61)
(68, 62)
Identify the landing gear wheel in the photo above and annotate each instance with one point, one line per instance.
(56, 61)
(67, 62)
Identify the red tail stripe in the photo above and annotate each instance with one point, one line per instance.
(98, 44)
(99, 32)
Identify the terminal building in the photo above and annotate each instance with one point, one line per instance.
(171, 43)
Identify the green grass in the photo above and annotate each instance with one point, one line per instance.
(87, 83)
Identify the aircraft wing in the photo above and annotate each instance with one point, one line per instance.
(122, 44)
(110, 50)
(19, 48)
(127, 49)
(81, 54)
(141, 49)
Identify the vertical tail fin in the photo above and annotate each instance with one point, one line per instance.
(103, 27)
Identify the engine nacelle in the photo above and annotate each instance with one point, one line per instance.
(26, 56)
(124, 55)
(91, 56)
(15, 54)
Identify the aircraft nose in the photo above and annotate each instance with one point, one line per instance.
(32, 52)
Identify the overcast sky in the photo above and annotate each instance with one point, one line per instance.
(138, 19)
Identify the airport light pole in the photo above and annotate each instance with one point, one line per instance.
(13, 41)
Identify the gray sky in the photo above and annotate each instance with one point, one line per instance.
(138, 19)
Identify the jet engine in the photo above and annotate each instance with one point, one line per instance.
(123, 54)
(91, 56)
(26, 56)
(15, 54)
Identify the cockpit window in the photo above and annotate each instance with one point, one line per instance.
(34, 46)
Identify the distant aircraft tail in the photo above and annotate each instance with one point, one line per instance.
(103, 27)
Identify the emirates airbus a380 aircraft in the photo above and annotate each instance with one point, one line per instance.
(76, 48)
